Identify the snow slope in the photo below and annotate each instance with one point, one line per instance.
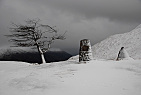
(109, 48)
(70, 78)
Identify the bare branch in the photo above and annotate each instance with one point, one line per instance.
(32, 34)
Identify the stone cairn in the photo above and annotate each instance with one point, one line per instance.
(85, 52)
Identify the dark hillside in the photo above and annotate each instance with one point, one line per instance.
(33, 57)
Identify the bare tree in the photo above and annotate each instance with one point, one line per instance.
(33, 34)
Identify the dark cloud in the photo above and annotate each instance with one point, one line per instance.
(123, 10)
(92, 19)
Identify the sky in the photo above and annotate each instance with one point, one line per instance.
(82, 19)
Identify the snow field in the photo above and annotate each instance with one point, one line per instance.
(96, 77)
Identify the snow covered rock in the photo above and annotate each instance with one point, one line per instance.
(123, 54)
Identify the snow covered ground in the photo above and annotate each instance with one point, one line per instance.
(98, 77)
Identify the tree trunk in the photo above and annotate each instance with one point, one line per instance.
(42, 54)
(43, 58)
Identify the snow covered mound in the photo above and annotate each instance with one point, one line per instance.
(109, 48)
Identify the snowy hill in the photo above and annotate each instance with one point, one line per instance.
(70, 78)
(109, 48)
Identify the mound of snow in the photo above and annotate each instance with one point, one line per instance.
(109, 48)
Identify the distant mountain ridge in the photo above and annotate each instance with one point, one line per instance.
(109, 48)
(32, 56)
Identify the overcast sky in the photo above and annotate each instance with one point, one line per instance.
(92, 19)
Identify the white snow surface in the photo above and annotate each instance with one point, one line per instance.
(109, 48)
(97, 77)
